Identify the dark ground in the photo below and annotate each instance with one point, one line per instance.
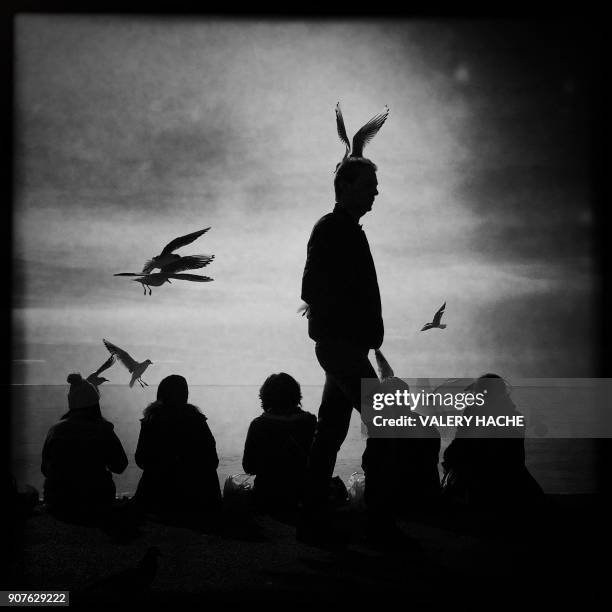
(558, 556)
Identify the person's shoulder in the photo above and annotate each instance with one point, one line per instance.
(327, 223)
(307, 416)
(260, 420)
(193, 412)
(56, 428)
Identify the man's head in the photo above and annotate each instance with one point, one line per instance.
(356, 185)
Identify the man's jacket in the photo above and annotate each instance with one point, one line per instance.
(340, 285)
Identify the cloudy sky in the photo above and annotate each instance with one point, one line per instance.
(133, 130)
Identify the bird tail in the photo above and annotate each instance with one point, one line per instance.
(442, 326)
(132, 382)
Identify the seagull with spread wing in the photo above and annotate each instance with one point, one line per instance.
(167, 256)
(363, 135)
(157, 279)
(436, 320)
(136, 369)
(94, 378)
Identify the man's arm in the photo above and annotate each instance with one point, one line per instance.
(327, 270)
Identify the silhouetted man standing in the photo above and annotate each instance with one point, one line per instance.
(345, 321)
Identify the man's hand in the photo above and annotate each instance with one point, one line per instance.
(304, 309)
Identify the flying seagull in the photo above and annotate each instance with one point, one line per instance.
(168, 257)
(95, 378)
(436, 320)
(363, 135)
(157, 279)
(136, 369)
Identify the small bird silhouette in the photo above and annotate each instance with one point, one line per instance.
(94, 378)
(168, 257)
(363, 135)
(436, 320)
(132, 581)
(157, 279)
(136, 369)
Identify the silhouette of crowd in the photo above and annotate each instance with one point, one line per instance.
(290, 452)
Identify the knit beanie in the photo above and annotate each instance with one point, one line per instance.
(82, 393)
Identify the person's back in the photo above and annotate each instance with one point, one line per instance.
(79, 454)
(277, 444)
(339, 283)
(488, 463)
(177, 453)
(406, 467)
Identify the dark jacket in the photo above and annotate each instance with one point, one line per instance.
(488, 463)
(177, 453)
(402, 472)
(78, 456)
(339, 283)
(276, 450)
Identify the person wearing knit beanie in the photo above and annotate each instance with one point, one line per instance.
(82, 394)
(80, 454)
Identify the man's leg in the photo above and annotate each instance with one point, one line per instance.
(332, 426)
(344, 367)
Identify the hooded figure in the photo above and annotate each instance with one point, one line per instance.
(177, 453)
(487, 464)
(401, 472)
(79, 454)
(277, 444)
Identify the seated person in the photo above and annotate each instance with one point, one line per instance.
(277, 444)
(177, 453)
(401, 469)
(78, 456)
(487, 464)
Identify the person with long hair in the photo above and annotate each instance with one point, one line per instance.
(486, 465)
(177, 452)
(277, 444)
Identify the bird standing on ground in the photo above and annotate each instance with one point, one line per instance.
(436, 320)
(167, 257)
(95, 378)
(136, 369)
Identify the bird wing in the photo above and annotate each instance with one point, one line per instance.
(107, 364)
(181, 241)
(122, 355)
(342, 129)
(367, 132)
(190, 277)
(384, 369)
(189, 262)
(438, 315)
(150, 265)
(128, 274)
